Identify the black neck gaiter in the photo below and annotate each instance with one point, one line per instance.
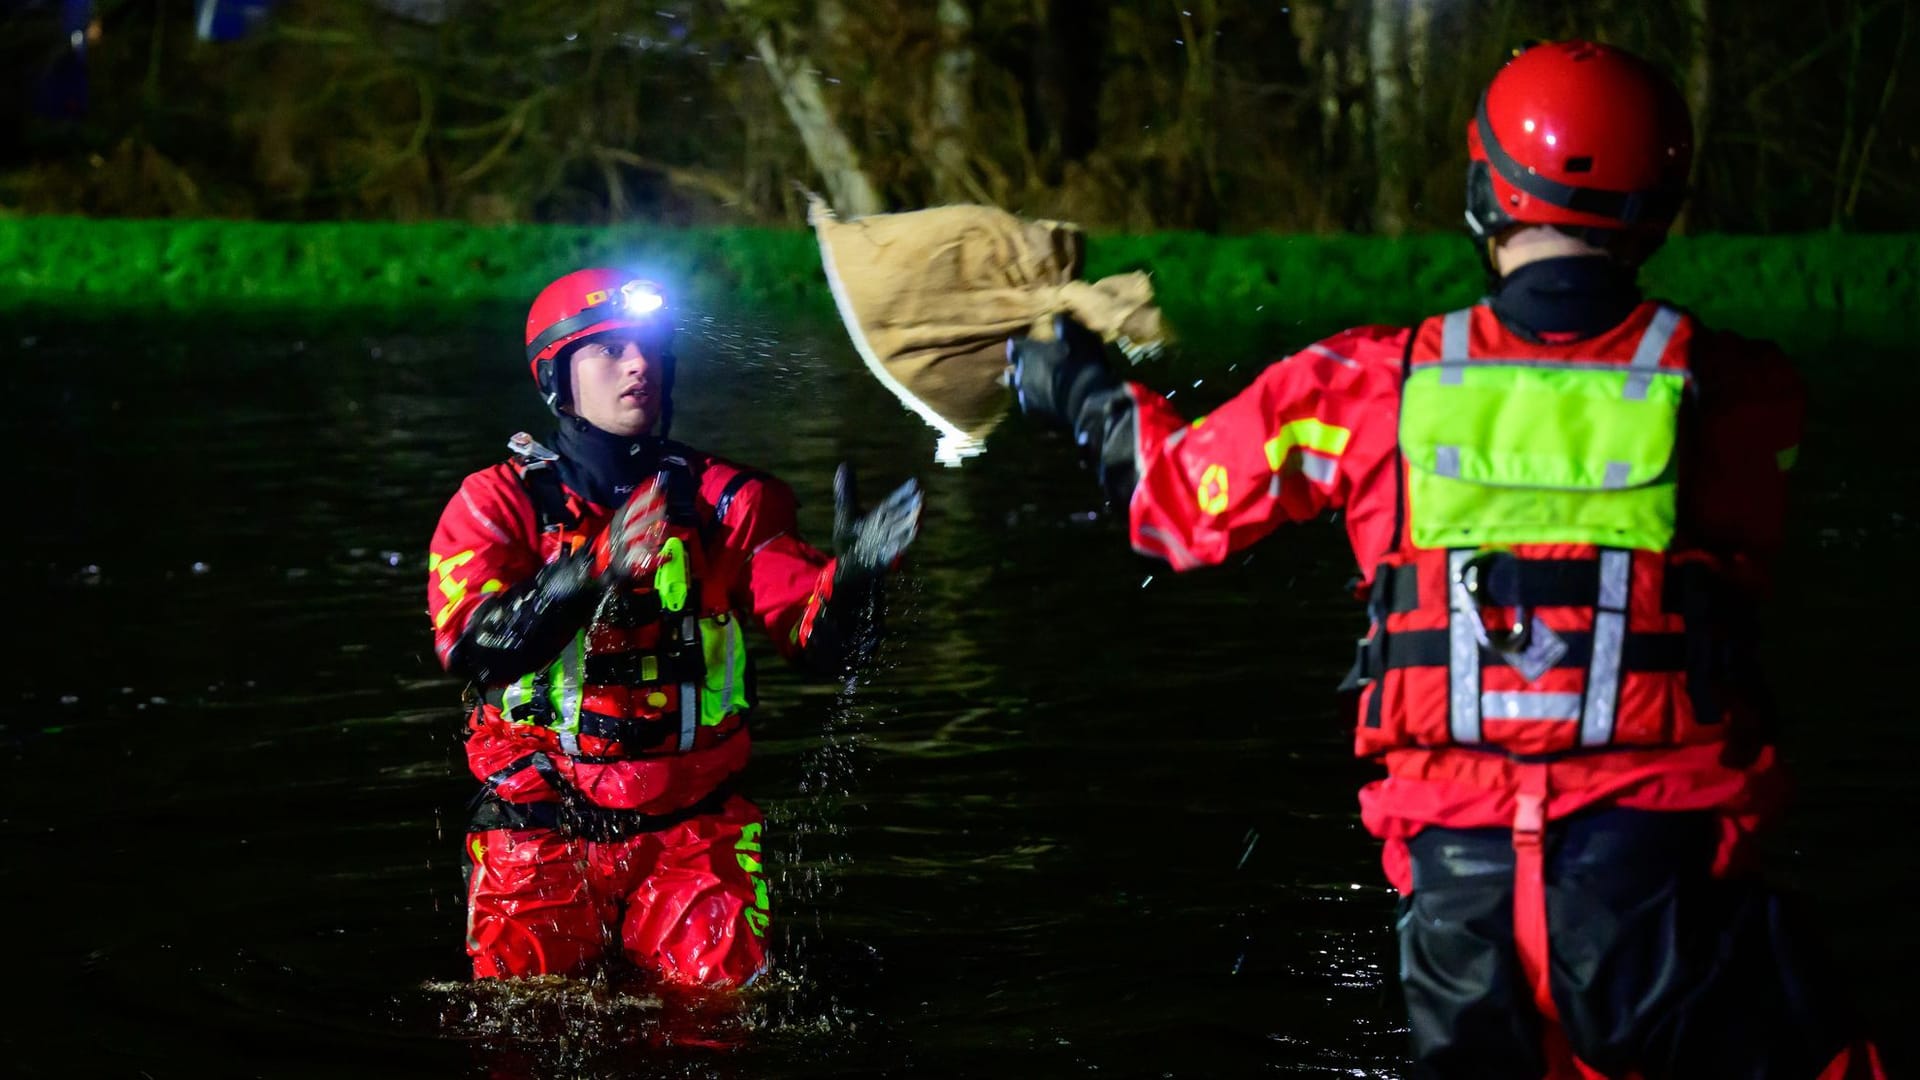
(603, 466)
(1579, 295)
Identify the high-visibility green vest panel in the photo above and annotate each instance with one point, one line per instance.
(725, 651)
(1538, 453)
(723, 689)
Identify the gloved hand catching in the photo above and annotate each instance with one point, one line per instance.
(868, 545)
(631, 545)
(1054, 380)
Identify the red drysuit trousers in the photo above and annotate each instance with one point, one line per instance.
(687, 903)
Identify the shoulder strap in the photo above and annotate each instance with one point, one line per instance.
(1399, 454)
(533, 463)
(1456, 329)
(725, 502)
(681, 485)
(1651, 348)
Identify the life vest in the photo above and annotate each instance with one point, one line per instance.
(661, 668)
(1543, 600)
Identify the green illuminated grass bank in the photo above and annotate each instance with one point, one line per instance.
(1251, 291)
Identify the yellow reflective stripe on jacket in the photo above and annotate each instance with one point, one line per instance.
(1306, 433)
(453, 588)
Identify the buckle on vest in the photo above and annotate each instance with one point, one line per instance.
(1370, 652)
(1530, 807)
(1476, 577)
(1529, 819)
(1365, 668)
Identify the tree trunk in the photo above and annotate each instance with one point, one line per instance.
(1386, 61)
(1855, 43)
(1421, 103)
(1880, 112)
(1420, 51)
(1308, 20)
(1199, 23)
(1063, 122)
(830, 21)
(828, 148)
(952, 105)
(1699, 94)
(1352, 180)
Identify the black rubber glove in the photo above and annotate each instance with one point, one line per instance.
(1065, 383)
(1060, 382)
(522, 629)
(867, 546)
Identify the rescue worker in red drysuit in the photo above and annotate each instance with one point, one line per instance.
(597, 594)
(1563, 500)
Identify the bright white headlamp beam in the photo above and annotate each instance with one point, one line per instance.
(641, 298)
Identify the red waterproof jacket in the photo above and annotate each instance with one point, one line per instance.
(645, 711)
(1636, 707)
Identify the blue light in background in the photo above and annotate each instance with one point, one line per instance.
(228, 20)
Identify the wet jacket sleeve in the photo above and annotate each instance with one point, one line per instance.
(1275, 453)
(498, 611)
(1749, 408)
(786, 583)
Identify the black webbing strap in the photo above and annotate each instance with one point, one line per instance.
(1368, 653)
(1538, 583)
(632, 732)
(574, 816)
(628, 731)
(550, 508)
(678, 662)
(677, 480)
(538, 709)
(1705, 669)
(1639, 652)
(725, 501)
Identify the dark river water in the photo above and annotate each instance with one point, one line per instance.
(1082, 817)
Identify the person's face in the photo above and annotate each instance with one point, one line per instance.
(616, 385)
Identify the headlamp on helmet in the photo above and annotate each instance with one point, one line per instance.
(642, 297)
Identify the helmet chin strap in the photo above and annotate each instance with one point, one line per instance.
(555, 380)
(1488, 261)
(669, 363)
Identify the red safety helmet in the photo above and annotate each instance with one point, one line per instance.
(588, 302)
(1578, 135)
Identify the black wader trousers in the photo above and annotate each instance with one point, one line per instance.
(1656, 967)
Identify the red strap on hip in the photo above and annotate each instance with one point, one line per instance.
(1530, 921)
(1530, 884)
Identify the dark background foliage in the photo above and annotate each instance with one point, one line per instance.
(1138, 115)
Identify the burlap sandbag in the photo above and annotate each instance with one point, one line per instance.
(931, 296)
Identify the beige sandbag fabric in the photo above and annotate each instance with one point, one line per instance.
(931, 296)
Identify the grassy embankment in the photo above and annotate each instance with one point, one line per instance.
(1235, 294)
